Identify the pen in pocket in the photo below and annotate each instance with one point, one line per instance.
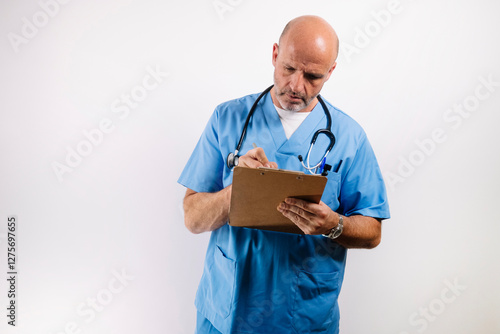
(338, 167)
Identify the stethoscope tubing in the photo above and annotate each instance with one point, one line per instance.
(233, 157)
(250, 113)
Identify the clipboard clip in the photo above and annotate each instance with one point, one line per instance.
(279, 169)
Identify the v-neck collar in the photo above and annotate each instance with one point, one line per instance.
(303, 132)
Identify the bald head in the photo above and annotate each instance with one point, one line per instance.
(303, 61)
(311, 32)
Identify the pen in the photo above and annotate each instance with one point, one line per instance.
(338, 167)
(254, 145)
(322, 168)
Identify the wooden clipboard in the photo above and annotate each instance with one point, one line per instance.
(257, 192)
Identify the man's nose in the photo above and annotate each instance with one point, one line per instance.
(297, 83)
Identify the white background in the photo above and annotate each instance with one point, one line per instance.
(119, 209)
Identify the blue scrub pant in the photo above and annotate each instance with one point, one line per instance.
(203, 326)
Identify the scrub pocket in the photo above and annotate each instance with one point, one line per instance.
(315, 302)
(218, 284)
(332, 190)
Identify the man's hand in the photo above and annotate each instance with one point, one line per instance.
(256, 158)
(310, 217)
(208, 211)
(359, 231)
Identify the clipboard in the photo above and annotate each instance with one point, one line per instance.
(257, 192)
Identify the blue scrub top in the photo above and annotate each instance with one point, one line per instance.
(258, 281)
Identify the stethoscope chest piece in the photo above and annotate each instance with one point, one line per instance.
(233, 157)
(232, 160)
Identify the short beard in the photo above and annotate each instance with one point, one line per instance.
(294, 107)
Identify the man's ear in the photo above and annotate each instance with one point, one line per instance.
(275, 53)
(330, 71)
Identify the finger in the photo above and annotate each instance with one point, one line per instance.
(247, 161)
(304, 205)
(319, 211)
(296, 210)
(309, 222)
(288, 212)
(259, 155)
(256, 158)
(271, 164)
(300, 217)
(250, 159)
(301, 222)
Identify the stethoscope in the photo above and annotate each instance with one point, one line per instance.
(232, 158)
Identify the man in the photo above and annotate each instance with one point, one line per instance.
(257, 281)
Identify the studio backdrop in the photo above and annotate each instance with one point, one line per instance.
(102, 103)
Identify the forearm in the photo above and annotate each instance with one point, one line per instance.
(360, 232)
(206, 211)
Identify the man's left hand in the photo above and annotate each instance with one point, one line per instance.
(310, 217)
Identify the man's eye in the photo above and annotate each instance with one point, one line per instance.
(312, 77)
(289, 69)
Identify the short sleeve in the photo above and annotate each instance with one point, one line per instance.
(363, 190)
(204, 169)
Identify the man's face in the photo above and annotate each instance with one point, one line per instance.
(299, 75)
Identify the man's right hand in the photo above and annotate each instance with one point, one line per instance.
(208, 211)
(256, 158)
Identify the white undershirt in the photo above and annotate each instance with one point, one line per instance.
(291, 120)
